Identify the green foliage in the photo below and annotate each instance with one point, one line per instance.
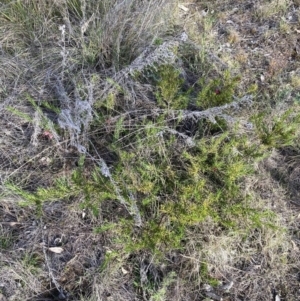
(104, 227)
(156, 236)
(160, 294)
(44, 122)
(61, 190)
(20, 114)
(207, 128)
(28, 22)
(5, 241)
(179, 192)
(50, 106)
(158, 41)
(169, 88)
(205, 276)
(221, 159)
(109, 257)
(216, 92)
(31, 261)
(280, 132)
(174, 191)
(94, 189)
(75, 8)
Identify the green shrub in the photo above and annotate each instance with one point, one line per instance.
(169, 92)
(279, 132)
(173, 191)
(178, 192)
(216, 92)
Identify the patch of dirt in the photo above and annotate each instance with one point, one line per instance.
(61, 246)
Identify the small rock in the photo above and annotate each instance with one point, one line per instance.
(185, 9)
(214, 296)
(227, 286)
(207, 287)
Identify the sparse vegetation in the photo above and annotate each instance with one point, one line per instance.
(149, 150)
